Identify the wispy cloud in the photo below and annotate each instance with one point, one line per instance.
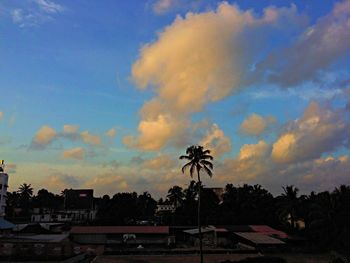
(35, 13)
(49, 6)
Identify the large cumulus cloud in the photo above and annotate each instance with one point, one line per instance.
(198, 59)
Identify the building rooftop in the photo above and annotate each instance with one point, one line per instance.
(57, 238)
(120, 230)
(4, 224)
(268, 231)
(259, 238)
(194, 231)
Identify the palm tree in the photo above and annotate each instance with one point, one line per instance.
(26, 191)
(198, 160)
(291, 202)
(175, 195)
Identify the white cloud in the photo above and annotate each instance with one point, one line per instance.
(77, 153)
(162, 161)
(195, 75)
(111, 132)
(256, 124)
(49, 6)
(163, 6)
(89, 138)
(216, 141)
(37, 12)
(43, 137)
(319, 131)
(316, 49)
(70, 129)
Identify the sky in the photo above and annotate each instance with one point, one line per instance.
(108, 94)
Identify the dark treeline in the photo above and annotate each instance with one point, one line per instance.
(323, 218)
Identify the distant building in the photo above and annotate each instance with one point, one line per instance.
(3, 188)
(78, 199)
(165, 208)
(78, 207)
(98, 239)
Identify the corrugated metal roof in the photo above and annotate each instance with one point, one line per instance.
(120, 230)
(259, 238)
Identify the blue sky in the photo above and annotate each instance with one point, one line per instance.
(263, 84)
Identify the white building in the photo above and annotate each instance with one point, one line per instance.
(3, 188)
(165, 208)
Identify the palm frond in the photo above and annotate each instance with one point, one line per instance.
(208, 171)
(183, 169)
(185, 157)
(206, 152)
(207, 156)
(192, 169)
(207, 163)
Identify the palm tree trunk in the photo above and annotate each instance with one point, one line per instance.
(199, 218)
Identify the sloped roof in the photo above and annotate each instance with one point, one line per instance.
(259, 238)
(195, 231)
(4, 224)
(56, 238)
(264, 229)
(120, 230)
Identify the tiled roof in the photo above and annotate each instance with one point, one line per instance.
(120, 230)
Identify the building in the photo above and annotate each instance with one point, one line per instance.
(3, 188)
(78, 199)
(165, 208)
(258, 240)
(78, 207)
(211, 237)
(100, 239)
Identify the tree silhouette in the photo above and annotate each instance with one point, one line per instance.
(25, 192)
(198, 160)
(291, 202)
(175, 195)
